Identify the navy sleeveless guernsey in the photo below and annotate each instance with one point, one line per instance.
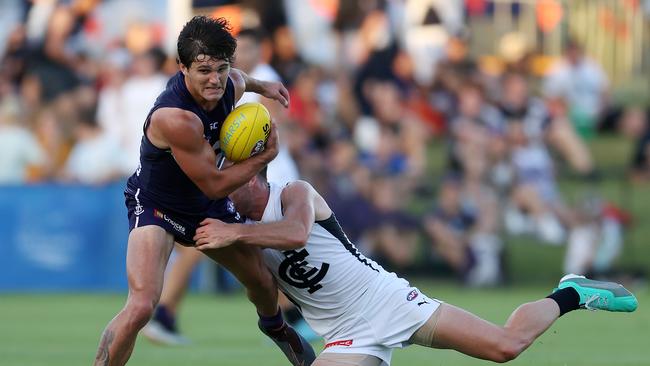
(159, 192)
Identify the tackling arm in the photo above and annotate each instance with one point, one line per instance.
(299, 200)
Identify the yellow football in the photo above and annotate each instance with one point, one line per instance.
(245, 131)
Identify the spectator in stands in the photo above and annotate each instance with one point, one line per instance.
(563, 137)
(96, 157)
(54, 39)
(449, 224)
(535, 193)
(455, 231)
(476, 133)
(582, 83)
(140, 90)
(394, 234)
(349, 189)
(110, 100)
(14, 59)
(286, 59)
(597, 242)
(635, 124)
(251, 57)
(541, 124)
(305, 108)
(19, 148)
(392, 139)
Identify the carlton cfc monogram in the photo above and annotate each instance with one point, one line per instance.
(295, 271)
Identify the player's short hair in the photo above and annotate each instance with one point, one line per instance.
(205, 36)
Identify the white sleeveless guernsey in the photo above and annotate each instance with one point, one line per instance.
(349, 299)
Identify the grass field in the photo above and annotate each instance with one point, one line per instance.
(57, 330)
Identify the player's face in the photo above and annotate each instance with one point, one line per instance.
(207, 77)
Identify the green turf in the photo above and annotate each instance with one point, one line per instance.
(58, 330)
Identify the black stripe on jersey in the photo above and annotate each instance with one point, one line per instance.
(333, 227)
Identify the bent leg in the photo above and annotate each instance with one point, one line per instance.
(147, 254)
(247, 264)
(454, 328)
(564, 138)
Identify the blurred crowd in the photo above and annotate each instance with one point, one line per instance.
(375, 91)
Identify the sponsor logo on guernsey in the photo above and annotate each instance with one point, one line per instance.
(214, 126)
(178, 227)
(343, 343)
(412, 295)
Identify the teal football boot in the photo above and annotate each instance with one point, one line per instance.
(600, 295)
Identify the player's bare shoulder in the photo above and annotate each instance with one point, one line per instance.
(175, 127)
(302, 190)
(298, 188)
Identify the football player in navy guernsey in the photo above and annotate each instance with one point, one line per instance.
(363, 311)
(179, 183)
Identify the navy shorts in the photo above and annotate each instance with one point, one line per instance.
(143, 212)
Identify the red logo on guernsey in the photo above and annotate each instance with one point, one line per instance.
(412, 295)
(344, 343)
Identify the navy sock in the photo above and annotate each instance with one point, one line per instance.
(163, 316)
(272, 322)
(567, 299)
(166, 318)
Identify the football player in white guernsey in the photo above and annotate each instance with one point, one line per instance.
(364, 312)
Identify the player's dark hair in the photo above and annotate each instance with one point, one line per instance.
(205, 36)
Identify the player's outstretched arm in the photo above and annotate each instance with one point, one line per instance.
(182, 132)
(298, 199)
(270, 89)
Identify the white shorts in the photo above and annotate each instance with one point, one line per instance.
(394, 313)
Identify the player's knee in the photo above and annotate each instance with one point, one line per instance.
(139, 312)
(506, 354)
(509, 350)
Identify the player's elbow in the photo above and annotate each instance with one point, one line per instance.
(296, 243)
(298, 239)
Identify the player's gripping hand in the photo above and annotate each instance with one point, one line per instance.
(271, 147)
(275, 90)
(215, 234)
